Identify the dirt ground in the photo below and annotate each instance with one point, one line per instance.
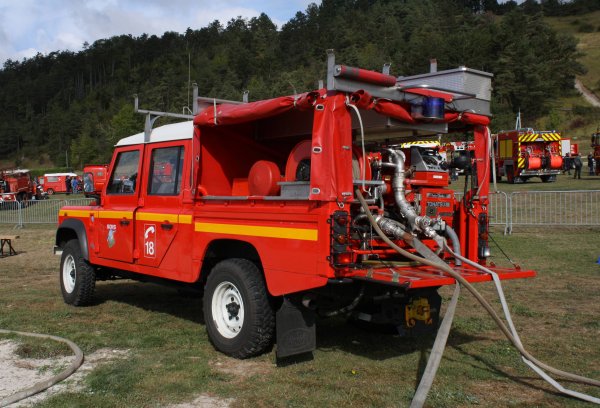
(17, 373)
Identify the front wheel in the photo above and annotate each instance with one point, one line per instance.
(240, 320)
(77, 276)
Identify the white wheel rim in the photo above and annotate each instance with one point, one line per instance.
(69, 273)
(228, 310)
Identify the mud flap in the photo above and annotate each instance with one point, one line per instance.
(296, 332)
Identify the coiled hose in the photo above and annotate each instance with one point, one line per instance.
(445, 268)
(43, 385)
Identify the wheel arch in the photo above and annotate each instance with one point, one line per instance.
(73, 229)
(221, 249)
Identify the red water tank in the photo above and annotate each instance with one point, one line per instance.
(263, 178)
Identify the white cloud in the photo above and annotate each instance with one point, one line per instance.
(28, 26)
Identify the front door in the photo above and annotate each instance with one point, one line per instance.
(116, 220)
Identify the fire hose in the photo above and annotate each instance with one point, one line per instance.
(513, 338)
(43, 385)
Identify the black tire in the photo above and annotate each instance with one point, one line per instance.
(546, 179)
(50, 191)
(239, 282)
(77, 277)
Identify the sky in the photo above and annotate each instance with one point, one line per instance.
(31, 26)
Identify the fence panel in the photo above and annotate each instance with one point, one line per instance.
(557, 208)
(10, 213)
(36, 211)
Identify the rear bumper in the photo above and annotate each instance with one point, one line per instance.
(423, 276)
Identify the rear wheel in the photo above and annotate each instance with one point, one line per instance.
(545, 179)
(50, 191)
(77, 276)
(240, 320)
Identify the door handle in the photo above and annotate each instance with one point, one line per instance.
(124, 222)
(167, 226)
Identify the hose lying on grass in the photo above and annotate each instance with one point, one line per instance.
(44, 385)
(507, 332)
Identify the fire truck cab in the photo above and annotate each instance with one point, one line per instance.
(94, 178)
(269, 208)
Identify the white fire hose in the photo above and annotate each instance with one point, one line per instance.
(513, 338)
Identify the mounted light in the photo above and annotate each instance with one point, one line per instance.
(428, 108)
(340, 255)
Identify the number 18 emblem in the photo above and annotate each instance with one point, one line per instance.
(149, 240)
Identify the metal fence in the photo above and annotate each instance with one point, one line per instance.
(36, 211)
(522, 208)
(556, 208)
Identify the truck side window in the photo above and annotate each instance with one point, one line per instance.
(123, 177)
(166, 165)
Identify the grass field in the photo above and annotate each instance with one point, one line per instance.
(171, 360)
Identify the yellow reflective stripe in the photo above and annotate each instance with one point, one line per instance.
(258, 231)
(115, 214)
(75, 213)
(185, 219)
(158, 217)
(521, 163)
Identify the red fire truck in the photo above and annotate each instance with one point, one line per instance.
(94, 178)
(596, 147)
(525, 153)
(55, 182)
(300, 206)
(16, 186)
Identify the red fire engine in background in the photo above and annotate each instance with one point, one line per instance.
(94, 178)
(525, 153)
(596, 147)
(16, 185)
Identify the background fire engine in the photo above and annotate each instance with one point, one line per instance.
(16, 185)
(525, 153)
(596, 147)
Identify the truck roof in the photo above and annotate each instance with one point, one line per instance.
(166, 133)
(60, 174)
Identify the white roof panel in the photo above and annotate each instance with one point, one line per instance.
(166, 133)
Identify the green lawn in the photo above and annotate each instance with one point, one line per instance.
(171, 360)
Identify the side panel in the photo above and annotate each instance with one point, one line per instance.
(290, 238)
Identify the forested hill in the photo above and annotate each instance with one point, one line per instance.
(81, 102)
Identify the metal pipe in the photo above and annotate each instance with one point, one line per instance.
(415, 221)
(450, 233)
